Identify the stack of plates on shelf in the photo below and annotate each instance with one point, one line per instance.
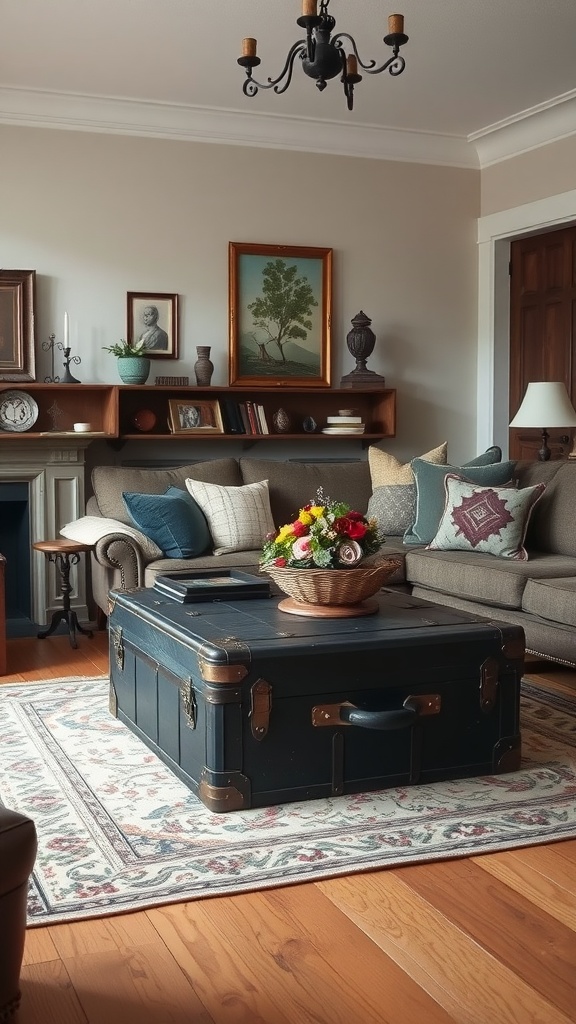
(344, 425)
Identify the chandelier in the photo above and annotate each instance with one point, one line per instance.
(323, 55)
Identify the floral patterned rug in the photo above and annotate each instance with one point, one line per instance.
(118, 831)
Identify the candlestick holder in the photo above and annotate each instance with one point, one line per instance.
(49, 346)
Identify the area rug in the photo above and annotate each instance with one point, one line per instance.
(118, 831)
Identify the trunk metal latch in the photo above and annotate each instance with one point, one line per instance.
(260, 708)
(488, 684)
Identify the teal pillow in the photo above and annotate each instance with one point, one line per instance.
(431, 492)
(487, 458)
(172, 520)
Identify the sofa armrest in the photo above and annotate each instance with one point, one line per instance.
(121, 552)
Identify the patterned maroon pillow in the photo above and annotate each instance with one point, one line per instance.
(493, 520)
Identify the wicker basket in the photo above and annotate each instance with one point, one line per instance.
(334, 586)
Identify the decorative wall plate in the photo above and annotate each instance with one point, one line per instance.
(18, 411)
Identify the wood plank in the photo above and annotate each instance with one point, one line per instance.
(470, 983)
(308, 957)
(531, 876)
(54, 658)
(102, 935)
(145, 984)
(533, 945)
(48, 996)
(39, 947)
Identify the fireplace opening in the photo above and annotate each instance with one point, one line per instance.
(15, 546)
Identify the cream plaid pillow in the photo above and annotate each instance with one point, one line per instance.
(386, 470)
(238, 517)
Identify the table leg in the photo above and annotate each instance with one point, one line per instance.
(65, 614)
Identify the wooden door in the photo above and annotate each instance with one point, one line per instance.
(542, 328)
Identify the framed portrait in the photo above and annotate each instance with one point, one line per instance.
(195, 416)
(17, 325)
(280, 315)
(152, 317)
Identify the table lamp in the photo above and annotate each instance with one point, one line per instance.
(545, 404)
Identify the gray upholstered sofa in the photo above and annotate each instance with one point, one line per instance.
(539, 594)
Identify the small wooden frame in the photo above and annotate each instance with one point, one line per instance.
(17, 325)
(197, 416)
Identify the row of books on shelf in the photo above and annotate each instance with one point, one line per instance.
(243, 417)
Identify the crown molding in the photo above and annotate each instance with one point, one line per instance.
(74, 112)
(529, 129)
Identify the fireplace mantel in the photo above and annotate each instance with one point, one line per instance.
(54, 471)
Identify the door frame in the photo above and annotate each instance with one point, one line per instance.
(495, 232)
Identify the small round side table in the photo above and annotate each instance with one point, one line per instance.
(65, 553)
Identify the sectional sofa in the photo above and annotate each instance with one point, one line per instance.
(538, 593)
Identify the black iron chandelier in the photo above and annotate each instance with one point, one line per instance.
(323, 56)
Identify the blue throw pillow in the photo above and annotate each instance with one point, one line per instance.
(172, 520)
(431, 492)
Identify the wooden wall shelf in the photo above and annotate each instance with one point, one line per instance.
(112, 409)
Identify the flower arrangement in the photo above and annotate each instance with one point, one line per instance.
(124, 350)
(326, 534)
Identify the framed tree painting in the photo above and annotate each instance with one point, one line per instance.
(280, 310)
(17, 325)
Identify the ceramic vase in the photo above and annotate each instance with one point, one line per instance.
(203, 367)
(281, 421)
(133, 369)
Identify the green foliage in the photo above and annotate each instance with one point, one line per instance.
(122, 349)
(283, 310)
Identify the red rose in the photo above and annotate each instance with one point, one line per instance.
(357, 530)
(280, 563)
(340, 525)
(299, 529)
(355, 515)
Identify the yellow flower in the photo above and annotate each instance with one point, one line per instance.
(305, 518)
(317, 511)
(284, 532)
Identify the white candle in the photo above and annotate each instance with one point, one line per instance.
(66, 330)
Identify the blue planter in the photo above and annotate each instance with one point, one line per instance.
(133, 369)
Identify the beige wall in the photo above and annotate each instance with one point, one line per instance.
(543, 172)
(99, 215)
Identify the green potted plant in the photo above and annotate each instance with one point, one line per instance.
(133, 362)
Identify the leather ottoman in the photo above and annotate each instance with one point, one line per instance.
(17, 855)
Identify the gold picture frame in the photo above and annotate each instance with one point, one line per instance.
(280, 315)
(17, 325)
(195, 416)
(153, 318)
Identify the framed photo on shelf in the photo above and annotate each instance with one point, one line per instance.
(17, 325)
(152, 317)
(280, 315)
(195, 417)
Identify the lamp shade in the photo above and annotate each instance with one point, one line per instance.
(545, 404)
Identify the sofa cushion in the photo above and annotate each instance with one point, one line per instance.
(294, 484)
(109, 482)
(393, 508)
(489, 519)
(174, 521)
(91, 529)
(473, 576)
(385, 470)
(553, 599)
(551, 526)
(238, 517)
(431, 495)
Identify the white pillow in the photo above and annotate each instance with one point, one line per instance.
(238, 517)
(90, 529)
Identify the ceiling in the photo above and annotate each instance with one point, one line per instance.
(476, 71)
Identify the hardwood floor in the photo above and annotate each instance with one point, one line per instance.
(483, 940)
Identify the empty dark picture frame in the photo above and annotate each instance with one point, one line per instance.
(269, 345)
(17, 325)
(167, 305)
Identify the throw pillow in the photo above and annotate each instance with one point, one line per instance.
(172, 520)
(91, 529)
(487, 458)
(430, 492)
(386, 470)
(393, 508)
(493, 520)
(239, 517)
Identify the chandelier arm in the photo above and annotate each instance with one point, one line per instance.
(251, 86)
(337, 42)
(395, 64)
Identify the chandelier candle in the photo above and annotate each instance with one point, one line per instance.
(248, 47)
(309, 8)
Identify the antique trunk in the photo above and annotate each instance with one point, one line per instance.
(250, 706)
